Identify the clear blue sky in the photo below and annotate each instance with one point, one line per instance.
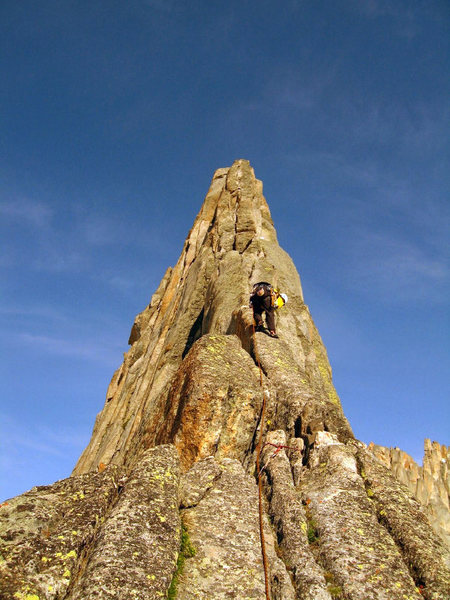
(114, 116)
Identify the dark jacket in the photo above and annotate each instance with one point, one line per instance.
(261, 303)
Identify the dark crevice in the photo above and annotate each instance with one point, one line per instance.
(280, 535)
(257, 362)
(298, 426)
(246, 246)
(195, 333)
(235, 221)
(307, 452)
(255, 437)
(254, 441)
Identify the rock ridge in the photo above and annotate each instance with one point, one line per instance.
(429, 483)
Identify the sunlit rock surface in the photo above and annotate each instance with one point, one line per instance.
(164, 500)
(429, 483)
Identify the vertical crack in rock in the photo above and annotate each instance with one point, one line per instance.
(290, 522)
(178, 429)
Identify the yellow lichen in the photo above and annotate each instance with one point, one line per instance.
(77, 496)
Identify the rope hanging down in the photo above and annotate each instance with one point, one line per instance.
(258, 470)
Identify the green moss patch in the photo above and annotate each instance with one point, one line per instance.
(187, 550)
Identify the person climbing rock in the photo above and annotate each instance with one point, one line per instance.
(264, 299)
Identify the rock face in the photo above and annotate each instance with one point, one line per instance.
(164, 500)
(430, 484)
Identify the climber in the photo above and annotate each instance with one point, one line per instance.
(265, 299)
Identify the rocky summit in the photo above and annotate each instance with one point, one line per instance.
(222, 465)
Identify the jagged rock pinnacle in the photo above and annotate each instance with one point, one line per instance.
(172, 453)
(231, 245)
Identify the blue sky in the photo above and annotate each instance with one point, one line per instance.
(114, 116)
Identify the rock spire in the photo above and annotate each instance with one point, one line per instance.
(231, 245)
(172, 454)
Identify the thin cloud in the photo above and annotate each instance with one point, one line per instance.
(33, 313)
(416, 127)
(398, 270)
(56, 259)
(384, 192)
(27, 212)
(401, 14)
(63, 347)
(41, 439)
(292, 90)
(123, 284)
(97, 231)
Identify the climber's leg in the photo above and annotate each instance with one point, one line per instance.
(258, 321)
(270, 318)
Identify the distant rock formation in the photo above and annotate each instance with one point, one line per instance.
(164, 500)
(430, 484)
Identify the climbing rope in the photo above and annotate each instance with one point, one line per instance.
(258, 470)
(278, 448)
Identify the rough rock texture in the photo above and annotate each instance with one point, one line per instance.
(137, 549)
(214, 401)
(173, 453)
(99, 535)
(223, 527)
(430, 484)
(403, 517)
(44, 531)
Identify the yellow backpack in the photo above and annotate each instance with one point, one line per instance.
(278, 299)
